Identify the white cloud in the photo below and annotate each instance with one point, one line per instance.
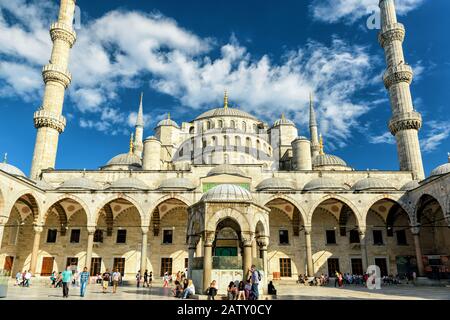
(349, 11)
(386, 137)
(437, 133)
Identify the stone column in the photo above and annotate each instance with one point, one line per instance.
(191, 252)
(254, 249)
(90, 245)
(415, 230)
(207, 259)
(144, 249)
(34, 254)
(2, 229)
(247, 244)
(309, 259)
(199, 249)
(263, 242)
(362, 241)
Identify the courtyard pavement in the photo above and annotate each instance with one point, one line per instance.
(286, 291)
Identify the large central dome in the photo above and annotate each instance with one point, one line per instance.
(225, 112)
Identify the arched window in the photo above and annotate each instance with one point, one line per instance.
(244, 126)
(258, 149)
(220, 124)
(214, 141)
(255, 128)
(248, 145)
(226, 142)
(226, 159)
(204, 143)
(237, 143)
(233, 124)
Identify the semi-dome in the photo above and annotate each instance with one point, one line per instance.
(372, 184)
(79, 183)
(283, 121)
(11, 169)
(328, 160)
(225, 112)
(442, 169)
(125, 159)
(228, 193)
(410, 185)
(177, 184)
(128, 183)
(324, 183)
(275, 184)
(226, 169)
(168, 122)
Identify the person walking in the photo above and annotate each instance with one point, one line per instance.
(66, 279)
(116, 276)
(84, 280)
(166, 280)
(145, 278)
(150, 279)
(255, 278)
(105, 280)
(138, 278)
(28, 278)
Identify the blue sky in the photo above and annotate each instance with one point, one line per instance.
(184, 54)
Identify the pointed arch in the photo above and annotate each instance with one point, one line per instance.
(349, 204)
(30, 199)
(116, 197)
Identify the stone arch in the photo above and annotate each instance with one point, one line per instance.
(29, 198)
(422, 202)
(343, 200)
(168, 197)
(295, 203)
(113, 198)
(213, 221)
(261, 224)
(394, 198)
(155, 216)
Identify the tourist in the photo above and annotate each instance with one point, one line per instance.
(241, 291)
(138, 278)
(105, 280)
(336, 279)
(150, 278)
(18, 278)
(145, 278)
(84, 280)
(231, 291)
(185, 284)
(190, 290)
(247, 289)
(53, 278)
(66, 279)
(340, 280)
(271, 289)
(212, 290)
(59, 280)
(166, 280)
(27, 278)
(414, 277)
(256, 278)
(178, 290)
(116, 277)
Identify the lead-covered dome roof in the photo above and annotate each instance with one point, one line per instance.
(228, 193)
(442, 169)
(225, 112)
(371, 183)
(275, 184)
(11, 169)
(324, 183)
(226, 169)
(80, 183)
(177, 184)
(125, 159)
(328, 160)
(129, 183)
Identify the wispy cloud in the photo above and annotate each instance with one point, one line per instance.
(386, 137)
(436, 133)
(349, 11)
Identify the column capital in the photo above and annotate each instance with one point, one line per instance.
(145, 229)
(209, 237)
(415, 229)
(3, 220)
(38, 228)
(308, 229)
(247, 238)
(91, 229)
(192, 241)
(263, 242)
(362, 230)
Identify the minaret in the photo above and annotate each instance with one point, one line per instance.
(48, 120)
(405, 122)
(225, 100)
(313, 128)
(139, 131)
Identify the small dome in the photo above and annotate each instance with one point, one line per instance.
(79, 183)
(410, 185)
(226, 169)
(44, 185)
(177, 184)
(125, 159)
(328, 160)
(11, 169)
(283, 121)
(168, 122)
(228, 193)
(372, 184)
(275, 184)
(324, 183)
(128, 183)
(442, 169)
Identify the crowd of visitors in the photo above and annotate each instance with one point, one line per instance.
(23, 278)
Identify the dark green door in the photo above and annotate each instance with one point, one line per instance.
(226, 252)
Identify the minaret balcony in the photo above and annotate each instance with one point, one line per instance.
(397, 74)
(391, 32)
(60, 31)
(45, 118)
(405, 121)
(53, 72)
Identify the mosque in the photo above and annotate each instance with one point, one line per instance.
(225, 191)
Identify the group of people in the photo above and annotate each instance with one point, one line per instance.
(147, 277)
(242, 290)
(323, 280)
(184, 288)
(23, 278)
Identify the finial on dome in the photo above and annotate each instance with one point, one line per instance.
(283, 117)
(168, 116)
(225, 100)
(321, 144)
(131, 143)
(5, 158)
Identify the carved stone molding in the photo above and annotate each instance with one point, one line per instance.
(398, 74)
(44, 118)
(390, 33)
(405, 121)
(59, 31)
(52, 72)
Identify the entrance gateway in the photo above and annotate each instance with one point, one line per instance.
(224, 227)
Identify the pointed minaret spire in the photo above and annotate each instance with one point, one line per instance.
(225, 100)
(139, 130)
(315, 148)
(5, 158)
(131, 144)
(321, 145)
(168, 116)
